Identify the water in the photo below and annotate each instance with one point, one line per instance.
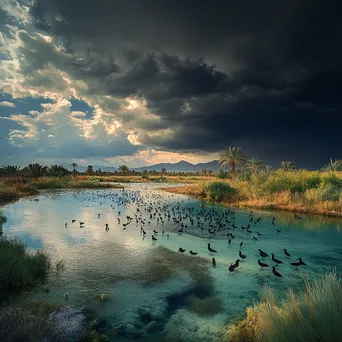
(146, 285)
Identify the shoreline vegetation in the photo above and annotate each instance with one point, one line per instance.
(247, 183)
(311, 315)
(306, 192)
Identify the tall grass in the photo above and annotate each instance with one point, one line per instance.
(300, 191)
(20, 269)
(314, 315)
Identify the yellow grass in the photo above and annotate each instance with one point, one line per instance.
(300, 191)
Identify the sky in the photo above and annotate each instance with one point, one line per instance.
(134, 82)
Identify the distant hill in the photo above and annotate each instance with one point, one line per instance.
(181, 166)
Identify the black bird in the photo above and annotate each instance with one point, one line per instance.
(301, 262)
(213, 261)
(211, 249)
(295, 264)
(229, 241)
(262, 253)
(180, 249)
(287, 253)
(231, 268)
(242, 256)
(236, 265)
(241, 243)
(261, 264)
(154, 231)
(255, 239)
(278, 231)
(144, 232)
(276, 273)
(66, 225)
(259, 234)
(193, 253)
(72, 221)
(276, 260)
(154, 238)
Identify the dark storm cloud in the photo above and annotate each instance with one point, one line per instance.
(217, 72)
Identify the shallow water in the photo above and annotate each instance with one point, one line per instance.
(146, 285)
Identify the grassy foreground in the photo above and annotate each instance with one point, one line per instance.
(313, 315)
(298, 191)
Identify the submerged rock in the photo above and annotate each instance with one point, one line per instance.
(67, 324)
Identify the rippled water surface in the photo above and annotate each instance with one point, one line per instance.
(149, 288)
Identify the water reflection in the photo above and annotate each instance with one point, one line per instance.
(146, 284)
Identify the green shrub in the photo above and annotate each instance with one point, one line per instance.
(220, 191)
(245, 176)
(18, 268)
(333, 181)
(223, 174)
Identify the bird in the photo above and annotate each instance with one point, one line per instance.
(276, 260)
(241, 243)
(213, 261)
(66, 225)
(211, 250)
(287, 253)
(193, 253)
(180, 249)
(301, 262)
(154, 238)
(72, 221)
(295, 264)
(231, 268)
(261, 264)
(278, 231)
(229, 241)
(255, 239)
(242, 256)
(276, 273)
(236, 265)
(262, 253)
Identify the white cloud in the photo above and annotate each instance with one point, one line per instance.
(16, 10)
(7, 104)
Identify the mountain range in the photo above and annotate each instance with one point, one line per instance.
(181, 166)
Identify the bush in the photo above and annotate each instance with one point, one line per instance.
(313, 315)
(245, 176)
(223, 174)
(19, 269)
(220, 191)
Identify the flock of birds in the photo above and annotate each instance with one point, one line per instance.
(179, 217)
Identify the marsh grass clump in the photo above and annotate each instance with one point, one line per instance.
(20, 269)
(203, 306)
(314, 315)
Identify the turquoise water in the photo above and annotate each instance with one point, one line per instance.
(146, 285)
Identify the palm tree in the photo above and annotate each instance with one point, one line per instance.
(163, 172)
(10, 170)
(57, 171)
(232, 156)
(334, 165)
(35, 170)
(255, 164)
(268, 169)
(287, 166)
(74, 165)
(123, 169)
(90, 170)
